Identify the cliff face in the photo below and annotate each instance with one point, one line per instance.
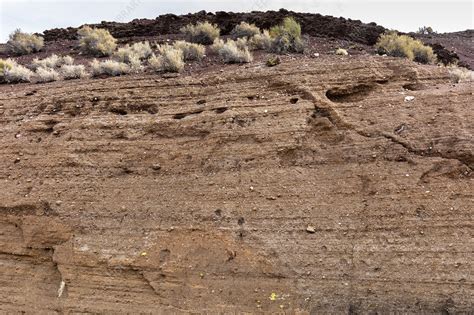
(309, 187)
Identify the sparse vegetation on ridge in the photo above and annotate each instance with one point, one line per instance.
(96, 41)
(426, 30)
(21, 43)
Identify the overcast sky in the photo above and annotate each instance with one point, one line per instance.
(404, 15)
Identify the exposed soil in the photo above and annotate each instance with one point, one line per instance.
(312, 187)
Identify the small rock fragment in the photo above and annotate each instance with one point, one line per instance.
(156, 167)
(310, 229)
(62, 285)
(409, 98)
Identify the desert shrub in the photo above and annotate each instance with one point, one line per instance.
(47, 75)
(404, 46)
(133, 55)
(170, 60)
(11, 72)
(5, 65)
(96, 41)
(244, 30)
(70, 72)
(341, 52)
(109, 67)
(459, 74)
(232, 53)
(426, 30)
(135, 64)
(423, 54)
(139, 51)
(52, 61)
(287, 37)
(394, 45)
(191, 51)
(68, 60)
(273, 61)
(142, 49)
(202, 33)
(262, 41)
(20, 43)
(217, 45)
(242, 43)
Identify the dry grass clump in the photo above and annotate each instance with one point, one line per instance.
(341, 52)
(129, 53)
(68, 60)
(52, 61)
(242, 43)
(262, 41)
(233, 52)
(202, 33)
(404, 46)
(287, 37)
(217, 45)
(11, 72)
(20, 43)
(96, 41)
(5, 65)
(47, 75)
(244, 30)
(422, 53)
(459, 74)
(109, 67)
(190, 51)
(169, 60)
(71, 72)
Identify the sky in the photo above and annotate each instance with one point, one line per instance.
(403, 15)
